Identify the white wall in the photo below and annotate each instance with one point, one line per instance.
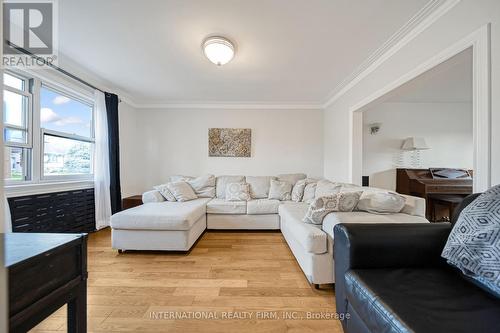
(156, 143)
(466, 17)
(446, 127)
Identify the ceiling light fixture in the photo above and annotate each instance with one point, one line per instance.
(218, 50)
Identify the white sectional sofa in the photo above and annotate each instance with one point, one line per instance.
(164, 225)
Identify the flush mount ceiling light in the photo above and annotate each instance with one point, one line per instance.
(218, 50)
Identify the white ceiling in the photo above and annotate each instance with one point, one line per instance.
(288, 51)
(449, 82)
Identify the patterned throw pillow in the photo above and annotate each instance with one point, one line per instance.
(340, 202)
(309, 192)
(165, 192)
(474, 242)
(298, 190)
(237, 192)
(280, 190)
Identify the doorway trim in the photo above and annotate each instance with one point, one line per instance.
(479, 40)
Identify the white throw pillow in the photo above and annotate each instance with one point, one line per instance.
(237, 192)
(203, 186)
(298, 190)
(322, 206)
(222, 181)
(280, 190)
(381, 202)
(259, 186)
(165, 192)
(326, 188)
(309, 192)
(182, 191)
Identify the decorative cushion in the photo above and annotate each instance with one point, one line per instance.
(292, 178)
(165, 192)
(222, 181)
(381, 202)
(309, 192)
(298, 190)
(203, 186)
(152, 196)
(182, 191)
(322, 206)
(326, 188)
(474, 242)
(280, 190)
(237, 192)
(259, 186)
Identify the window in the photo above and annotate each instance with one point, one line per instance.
(50, 139)
(17, 103)
(67, 129)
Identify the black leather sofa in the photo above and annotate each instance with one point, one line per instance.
(391, 278)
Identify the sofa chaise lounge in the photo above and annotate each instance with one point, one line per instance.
(175, 226)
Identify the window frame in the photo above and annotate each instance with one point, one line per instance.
(28, 117)
(33, 83)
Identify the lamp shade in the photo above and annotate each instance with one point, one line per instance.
(218, 50)
(414, 143)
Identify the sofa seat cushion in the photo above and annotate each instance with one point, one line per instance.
(221, 206)
(310, 236)
(364, 217)
(420, 300)
(161, 215)
(262, 206)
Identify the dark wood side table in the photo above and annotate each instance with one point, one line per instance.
(46, 271)
(133, 201)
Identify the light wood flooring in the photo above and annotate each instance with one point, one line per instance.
(252, 275)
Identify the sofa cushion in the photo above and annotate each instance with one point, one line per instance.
(165, 192)
(221, 206)
(280, 190)
(237, 192)
(309, 236)
(203, 186)
(326, 188)
(335, 218)
(292, 178)
(259, 186)
(420, 300)
(152, 196)
(222, 181)
(177, 178)
(309, 192)
(182, 191)
(298, 190)
(262, 206)
(322, 206)
(381, 202)
(161, 215)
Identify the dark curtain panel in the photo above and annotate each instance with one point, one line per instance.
(114, 152)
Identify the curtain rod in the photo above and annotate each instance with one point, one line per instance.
(59, 69)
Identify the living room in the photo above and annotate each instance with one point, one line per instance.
(250, 166)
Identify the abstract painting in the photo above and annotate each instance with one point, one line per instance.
(229, 142)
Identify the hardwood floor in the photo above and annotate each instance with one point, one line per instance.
(229, 282)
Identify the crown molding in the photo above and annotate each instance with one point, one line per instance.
(429, 14)
(231, 106)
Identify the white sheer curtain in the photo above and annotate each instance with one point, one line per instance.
(101, 163)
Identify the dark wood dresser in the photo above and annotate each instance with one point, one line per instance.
(45, 272)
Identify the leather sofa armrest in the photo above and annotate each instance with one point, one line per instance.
(370, 245)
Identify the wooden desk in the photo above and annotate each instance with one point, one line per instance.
(45, 272)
